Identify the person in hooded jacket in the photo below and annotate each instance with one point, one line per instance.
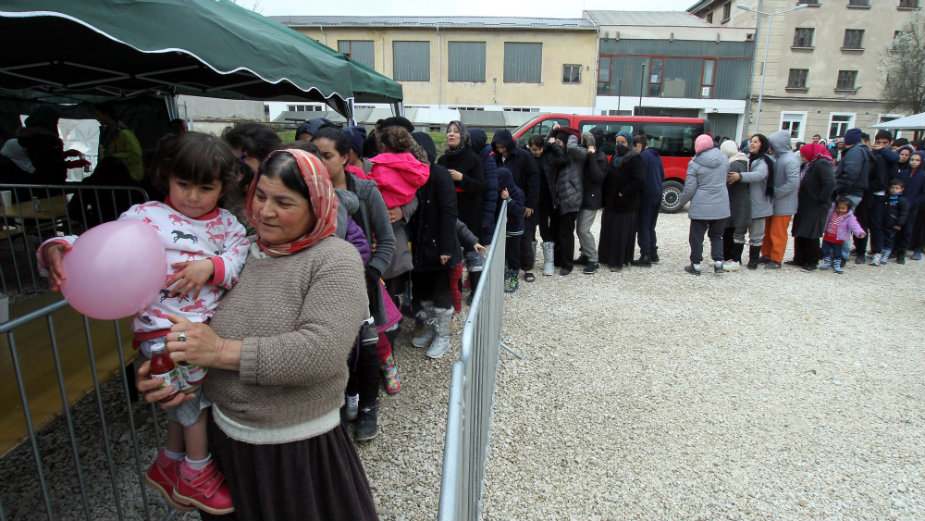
(550, 158)
(705, 188)
(436, 250)
(569, 194)
(914, 178)
(490, 196)
(510, 192)
(852, 180)
(814, 199)
(786, 177)
(625, 180)
(740, 207)
(523, 168)
(591, 183)
(883, 170)
(465, 167)
(650, 201)
(917, 240)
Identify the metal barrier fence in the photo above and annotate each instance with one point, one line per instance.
(472, 390)
(31, 214)
(74, 487)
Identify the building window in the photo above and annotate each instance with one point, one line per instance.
(411, 61)
(793, 122)
(709, 75)
(853, 39)
(523, 62)
(846, 80)
(466, 61)
(710, 17)
(358, 50)
(571, 74)
(808, 2)
(727, 11)
(859, 3)
(797, 79)
(520, 109)
(908, 4)
(839, 124)
(435, 127)
(803, 37)
(655, 77)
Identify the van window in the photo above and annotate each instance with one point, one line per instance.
(543, 127)
(672, 139)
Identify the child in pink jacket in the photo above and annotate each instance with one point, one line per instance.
(839, 226)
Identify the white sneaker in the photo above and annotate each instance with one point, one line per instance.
(353, 407)
(875, 260)
(731, 266)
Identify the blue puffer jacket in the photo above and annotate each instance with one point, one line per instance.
(515, 205)
(479, 142)
(655, 174)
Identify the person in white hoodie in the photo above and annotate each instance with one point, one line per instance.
(705, 188)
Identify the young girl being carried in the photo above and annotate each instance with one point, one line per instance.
(206, 248)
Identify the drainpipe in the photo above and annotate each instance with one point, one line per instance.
(439, 70)
(751, 76)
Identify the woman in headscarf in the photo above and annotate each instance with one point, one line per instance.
(817, 184)
(465, 168)
(276, 348)
(625, 179)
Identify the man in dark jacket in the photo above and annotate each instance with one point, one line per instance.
(884, 169)
(523, 169)
(650, 200)
(851, 181)
(550, 159)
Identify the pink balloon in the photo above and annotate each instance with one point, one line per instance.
(115, 269)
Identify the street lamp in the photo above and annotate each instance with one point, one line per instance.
(767, 43)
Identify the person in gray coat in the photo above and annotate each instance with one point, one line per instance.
(705, 188)
(786, 182)
(761, 192)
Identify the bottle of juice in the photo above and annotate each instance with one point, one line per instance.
(163, 367)
(193, 375)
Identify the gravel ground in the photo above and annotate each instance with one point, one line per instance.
(653, 394)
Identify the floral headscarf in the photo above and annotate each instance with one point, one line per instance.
(321, 197)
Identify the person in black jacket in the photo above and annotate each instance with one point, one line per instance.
(814, 200)
(435, 249)
(650, 200)
(883, 170)
(490, 195)
(626, 177)
(594, 173)
(851, 181)
(523, 169)
(550, 159)
(895, 216)
(465, 168)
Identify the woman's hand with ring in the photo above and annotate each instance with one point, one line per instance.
(198, 344)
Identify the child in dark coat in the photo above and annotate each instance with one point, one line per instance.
(512, 193)
(895, 218)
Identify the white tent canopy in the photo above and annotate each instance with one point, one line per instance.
(913, 122)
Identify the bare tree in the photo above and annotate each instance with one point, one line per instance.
(904, 69)
(255, 7)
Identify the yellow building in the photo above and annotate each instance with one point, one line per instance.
(506, 66)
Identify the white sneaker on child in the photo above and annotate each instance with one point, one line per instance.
(731, 266)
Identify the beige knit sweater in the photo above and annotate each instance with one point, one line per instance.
(298, 317)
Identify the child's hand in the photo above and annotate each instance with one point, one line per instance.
(193, 276)
(897, 228)
(480, 249)
(862, 235)
(53, 254)
(395, 214)
(505, 194)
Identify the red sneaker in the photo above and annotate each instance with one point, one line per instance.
(206, 490)
(163, 479)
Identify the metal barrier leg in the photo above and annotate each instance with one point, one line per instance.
(509, 350)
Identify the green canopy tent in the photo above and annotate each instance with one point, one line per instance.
(80, 49)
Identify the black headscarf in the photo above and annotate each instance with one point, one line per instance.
(763, 154)
(464, 139)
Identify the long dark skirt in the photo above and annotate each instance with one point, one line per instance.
(320, 478)
(918, 230)
(618, 238)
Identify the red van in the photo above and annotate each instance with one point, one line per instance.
(674, 137)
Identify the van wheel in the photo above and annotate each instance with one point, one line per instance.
(671, 196)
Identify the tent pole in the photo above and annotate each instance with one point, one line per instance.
(171, 101)
(351, 114)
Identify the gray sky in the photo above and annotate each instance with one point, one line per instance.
(535, 8)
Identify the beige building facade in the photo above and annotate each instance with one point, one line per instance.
(823, 71)
(516, 65)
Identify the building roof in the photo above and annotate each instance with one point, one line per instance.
(646, 18)
(456, 22)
